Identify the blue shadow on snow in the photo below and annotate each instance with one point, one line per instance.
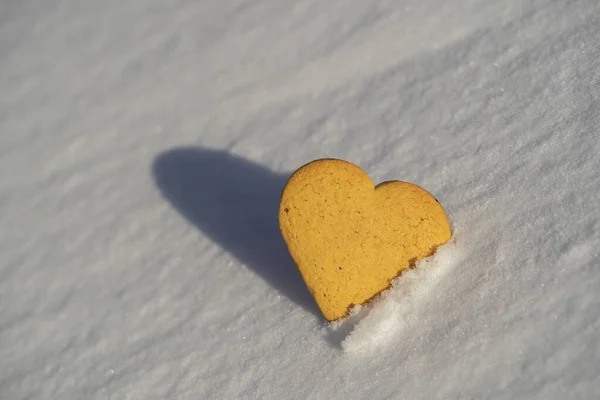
(235, 203)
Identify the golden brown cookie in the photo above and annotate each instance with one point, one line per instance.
(349, 238)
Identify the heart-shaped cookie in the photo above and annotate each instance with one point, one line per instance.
(349, 238)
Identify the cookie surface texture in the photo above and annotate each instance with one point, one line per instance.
(349, 238)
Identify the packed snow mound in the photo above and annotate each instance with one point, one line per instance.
(403, 305)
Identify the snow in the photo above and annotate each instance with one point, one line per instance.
(399, 308)
(143, 146)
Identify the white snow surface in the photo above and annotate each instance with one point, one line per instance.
(144, 145)
(381, 321)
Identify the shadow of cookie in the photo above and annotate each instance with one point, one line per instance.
(235, 203)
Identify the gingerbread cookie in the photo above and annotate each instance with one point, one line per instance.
(349, 238)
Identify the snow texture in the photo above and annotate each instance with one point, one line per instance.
(144, 145)
(400, 307)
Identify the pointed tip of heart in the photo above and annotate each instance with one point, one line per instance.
(349, 238)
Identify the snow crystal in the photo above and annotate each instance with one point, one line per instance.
(399, 307)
